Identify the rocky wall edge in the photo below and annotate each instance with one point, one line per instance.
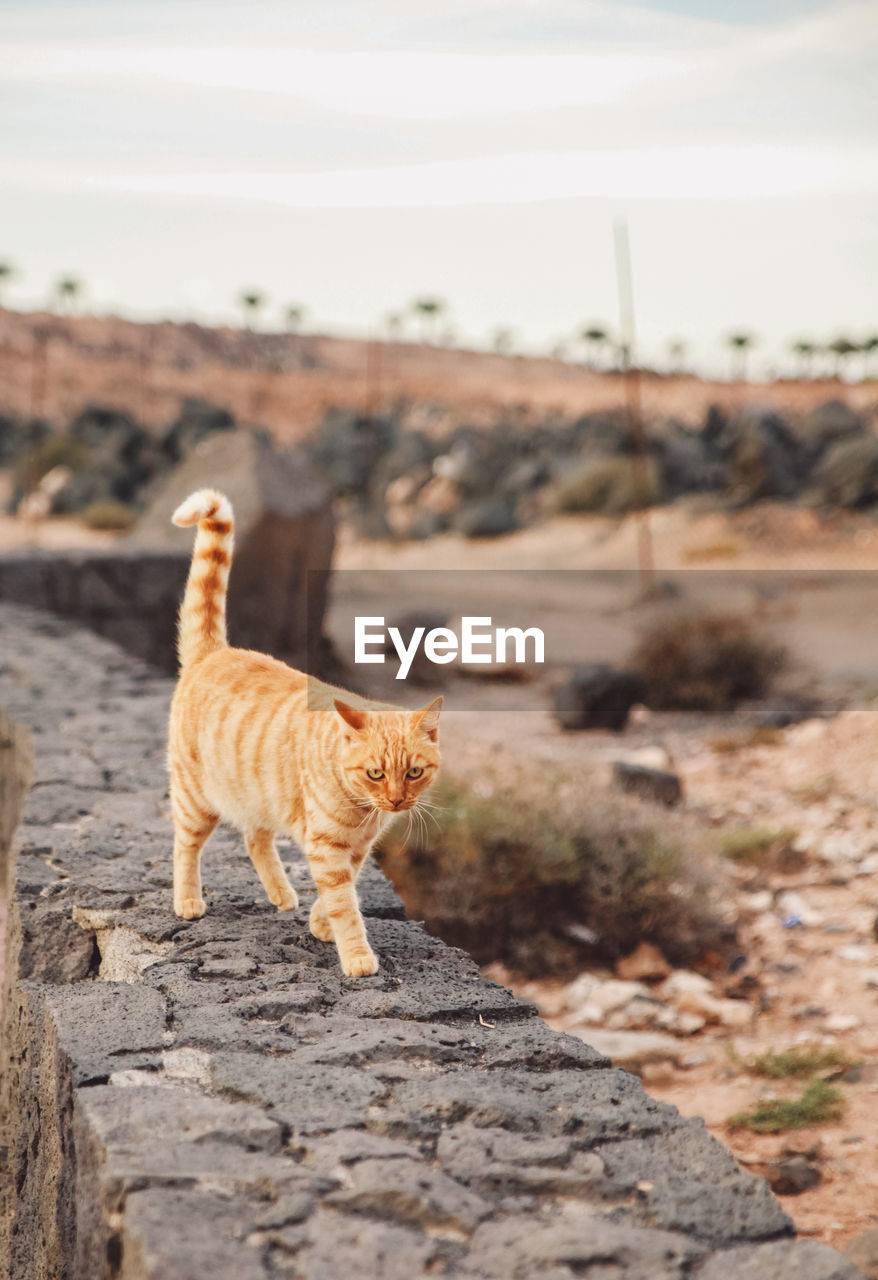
(214, 1099)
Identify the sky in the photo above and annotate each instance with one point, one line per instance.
(349, 156)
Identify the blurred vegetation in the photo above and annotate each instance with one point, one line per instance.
(55, 451)
(108, 514)
(610, 486)
(765, 847)
(542, 871)
(817, 1104)
(705, 661)
(804, 1062)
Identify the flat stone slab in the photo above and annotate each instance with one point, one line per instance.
(215, 1099)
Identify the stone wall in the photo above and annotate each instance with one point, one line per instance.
(213, 1099)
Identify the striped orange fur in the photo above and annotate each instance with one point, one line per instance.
(271, 751)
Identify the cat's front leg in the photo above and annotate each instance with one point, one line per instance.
(337, 911)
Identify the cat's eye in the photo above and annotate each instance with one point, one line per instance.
(415, 771)
(375, 774)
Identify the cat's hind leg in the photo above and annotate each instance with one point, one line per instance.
(192, 826)
(266, 860)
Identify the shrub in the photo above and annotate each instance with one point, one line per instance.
(108, 514)
(760, 847)
(56, 451)
(801, 1062)
(611, 486)
(535, 869)
(705, 661)
(817, 1104)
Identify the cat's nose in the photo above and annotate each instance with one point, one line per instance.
(396, 802)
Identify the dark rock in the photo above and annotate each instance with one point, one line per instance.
(847, 476)
(348, 448)
(196, 420)
(426, 524)
(830, 422)
(670, 1173)
(779, 1260)
(489, 519)
(422, 670)
(659, 785)
(122, 458)
(764, 456)
(688, 465)
(793, 1176)
(598, 697)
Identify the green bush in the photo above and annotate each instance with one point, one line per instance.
(56, 451)
(541, 872)
(705, 661)
(817, 1104)
(610, 486)
(108, 514)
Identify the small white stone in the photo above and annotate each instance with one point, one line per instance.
(842, 1022)
(757, 902)
(855, 954)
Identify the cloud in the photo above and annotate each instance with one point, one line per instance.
(735, 173)
(409, 84)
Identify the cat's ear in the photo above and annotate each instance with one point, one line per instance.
(353, 716)
(427, 719)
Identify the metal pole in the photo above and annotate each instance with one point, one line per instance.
(633, 408)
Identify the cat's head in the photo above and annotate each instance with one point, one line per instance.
(389, 757)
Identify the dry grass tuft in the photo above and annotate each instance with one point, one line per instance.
(801, 1063)
(541, 872)
(610, 486)
(705, 661)
(819, 1103)
(107, 513)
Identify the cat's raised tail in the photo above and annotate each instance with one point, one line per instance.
(202, 625)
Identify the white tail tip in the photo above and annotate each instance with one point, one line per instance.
(202, 505)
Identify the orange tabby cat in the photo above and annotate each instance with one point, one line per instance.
(270, 750)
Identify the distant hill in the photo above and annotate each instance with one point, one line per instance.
(51, 366)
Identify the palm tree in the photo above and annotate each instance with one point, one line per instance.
(68, 290)
(740, 342)
(868, 347)
(429, 309)
(503, 340)
(252, 302)
(676, 355)
(7, 273)
(394, 322)
(806, 350)
(842, 349)
(595, 337)
(294, 316)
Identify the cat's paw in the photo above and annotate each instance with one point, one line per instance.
(190, 908)
(319, 925)
(360, 965)
(286, 900)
